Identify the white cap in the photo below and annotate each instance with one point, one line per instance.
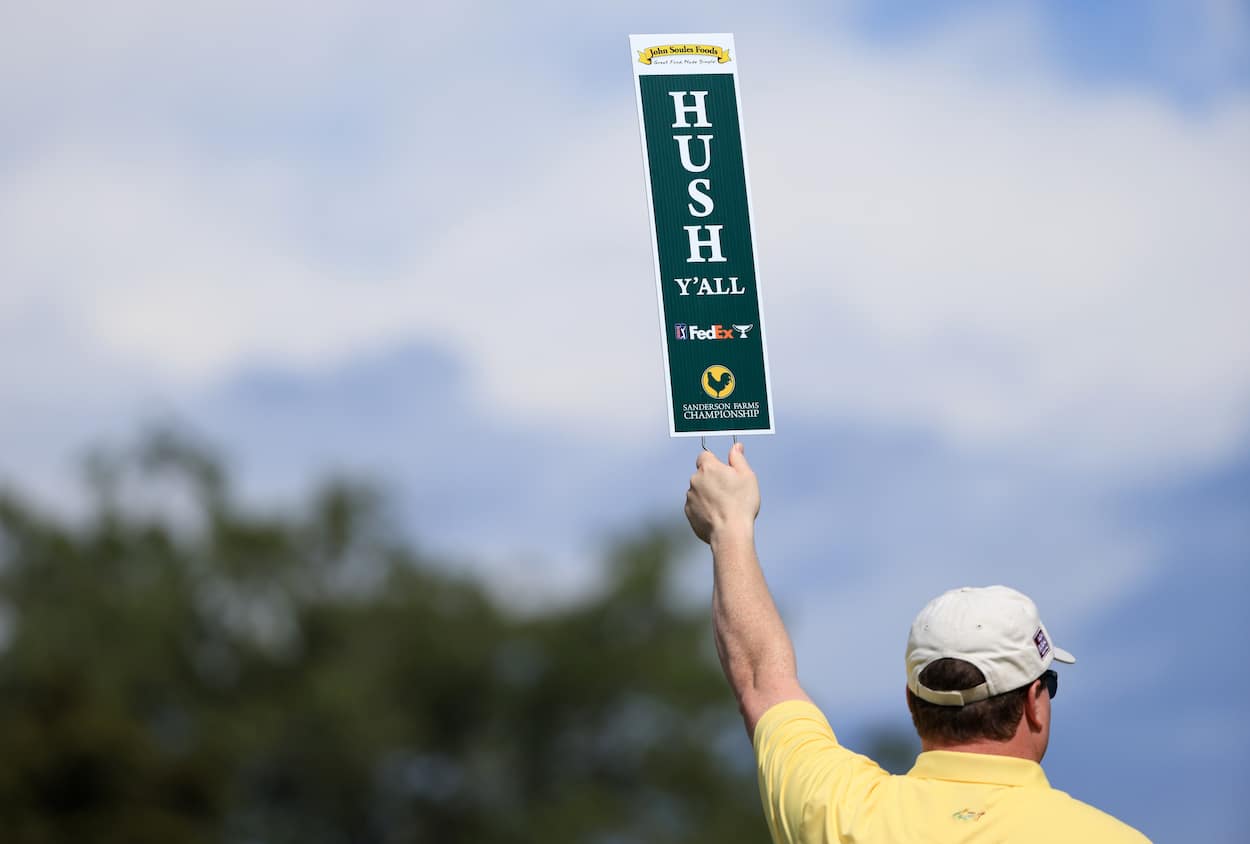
(995, 628)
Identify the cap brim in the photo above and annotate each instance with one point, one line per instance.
(1063, 656)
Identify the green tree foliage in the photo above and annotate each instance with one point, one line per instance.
(175, 667)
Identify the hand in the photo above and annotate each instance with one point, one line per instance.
(723, 499)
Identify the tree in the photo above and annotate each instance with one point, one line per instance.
(178, 668)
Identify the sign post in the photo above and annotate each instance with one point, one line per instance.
(699, 198)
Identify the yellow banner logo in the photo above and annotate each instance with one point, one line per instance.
(673, 50)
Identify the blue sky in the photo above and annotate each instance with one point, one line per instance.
(1005, 270)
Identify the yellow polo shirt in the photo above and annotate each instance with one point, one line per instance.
(817, 792)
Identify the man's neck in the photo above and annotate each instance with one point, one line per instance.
(1013, 747)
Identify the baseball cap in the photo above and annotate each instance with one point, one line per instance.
(995, 628)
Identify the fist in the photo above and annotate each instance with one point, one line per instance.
(724, 498)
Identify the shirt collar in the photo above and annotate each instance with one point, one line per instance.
(978, 767)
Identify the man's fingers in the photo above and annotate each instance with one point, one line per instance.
(738, 457)
(704, 458)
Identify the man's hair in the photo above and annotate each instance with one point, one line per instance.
(994, 718)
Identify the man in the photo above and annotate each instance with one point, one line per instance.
(979, 686)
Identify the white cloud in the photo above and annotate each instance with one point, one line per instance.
(1010, 260)
(949, 240)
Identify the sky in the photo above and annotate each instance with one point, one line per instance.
(1004, 262)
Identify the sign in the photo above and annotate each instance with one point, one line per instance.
(699, 198)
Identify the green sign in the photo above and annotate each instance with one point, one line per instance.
(712, 324)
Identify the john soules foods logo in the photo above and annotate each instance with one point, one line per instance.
(668, 52)
(682, 331)
(717, 381)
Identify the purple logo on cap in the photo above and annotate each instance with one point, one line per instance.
(1043, 646)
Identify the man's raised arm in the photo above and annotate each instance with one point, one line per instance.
(751, 640)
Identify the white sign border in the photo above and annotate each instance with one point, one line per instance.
(638, 44)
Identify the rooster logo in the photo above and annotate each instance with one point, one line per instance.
(717, 381)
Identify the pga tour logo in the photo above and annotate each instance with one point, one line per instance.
(682, 331)
(1043, 646)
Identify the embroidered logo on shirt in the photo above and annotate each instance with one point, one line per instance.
(1043, 646)
(968, 815)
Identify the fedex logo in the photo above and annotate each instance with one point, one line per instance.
(682, 331)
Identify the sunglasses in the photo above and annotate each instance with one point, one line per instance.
(1050, 680)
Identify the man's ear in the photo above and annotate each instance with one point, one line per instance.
(1034, 707)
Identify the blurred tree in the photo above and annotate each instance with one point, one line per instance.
(175, 668)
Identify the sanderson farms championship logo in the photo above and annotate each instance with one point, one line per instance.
(668, 51)
(718, 381)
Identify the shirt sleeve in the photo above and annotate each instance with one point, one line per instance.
(809, 784)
